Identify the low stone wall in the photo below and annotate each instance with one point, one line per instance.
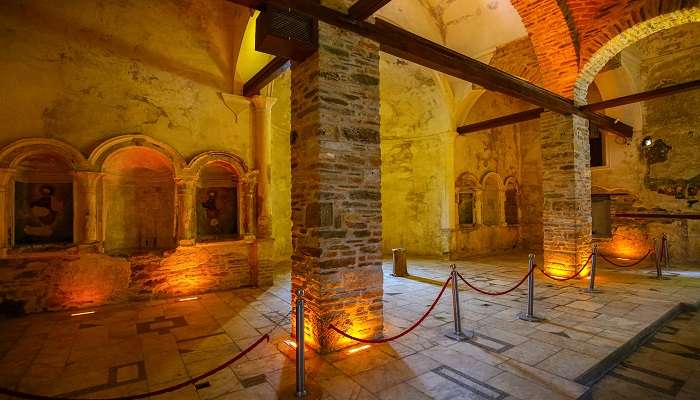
(83, 277)
(484, 239)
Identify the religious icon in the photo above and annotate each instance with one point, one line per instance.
(43, 212)
(217, 213)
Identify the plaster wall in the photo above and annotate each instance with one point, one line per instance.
(86, 70)
(416, 142)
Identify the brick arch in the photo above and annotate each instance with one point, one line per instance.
(552, 40)
(626, 37)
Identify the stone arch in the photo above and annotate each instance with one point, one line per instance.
(110, 147)
(228, 160)
(44, 172)
(226, 176)
(637, 29)
(551, 37)
(13, 154)
(468, 199)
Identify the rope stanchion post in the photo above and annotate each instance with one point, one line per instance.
(300, 390)
(458, 334)
(594, 264)
(657, 259)
(530, 314)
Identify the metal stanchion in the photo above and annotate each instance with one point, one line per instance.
(667, 256)
(300, 391)
(657, 259)
(457, 335)
(594, 264)
(530, 314)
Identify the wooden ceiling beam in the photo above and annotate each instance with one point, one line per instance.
(272, 70)
(643, 96)
(601, 105)
(414, 48)
(363, 9)
(501, 121)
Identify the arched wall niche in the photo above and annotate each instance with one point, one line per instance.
(138, 200)
(492, 199)
(111, 146)
(511, 201)
(468, 197)
(38, 191)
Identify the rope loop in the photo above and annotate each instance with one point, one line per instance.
(412, 327)
(635, 263)
(497, 293)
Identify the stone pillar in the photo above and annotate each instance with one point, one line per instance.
(7, 209)
(336, 196)
(250, 184)
(478, 206)
(566, 184)
(187, 213)
(262, 124)
(89, 222)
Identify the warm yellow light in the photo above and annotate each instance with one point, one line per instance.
(188, 298)
(291, 343)
(358, 349)
(82, 313)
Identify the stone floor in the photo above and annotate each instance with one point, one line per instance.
(132, 348)
(666, 367)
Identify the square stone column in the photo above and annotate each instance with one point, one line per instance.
(566, 184)
(336, 196)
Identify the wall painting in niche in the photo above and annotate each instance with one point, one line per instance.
(465, 207)
(216, 213)
(43, 213)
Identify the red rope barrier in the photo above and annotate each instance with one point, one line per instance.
(412, 327)
(637, 262)
(28, 396)
(557, 278)
(496, 293)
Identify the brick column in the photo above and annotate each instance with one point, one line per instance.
(336, 196)
(566, 184)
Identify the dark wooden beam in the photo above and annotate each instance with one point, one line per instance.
(272, 70)
(618, 101)
(643, 96)
(255, 4)
(406, 45)
(501, 121)
(363, 9)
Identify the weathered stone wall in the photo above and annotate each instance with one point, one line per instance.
(416, 136)
(80, 278)
(498, 151)
(663, 178)
(336, 187)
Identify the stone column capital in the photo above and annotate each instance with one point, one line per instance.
(263, 103)
(6, 175)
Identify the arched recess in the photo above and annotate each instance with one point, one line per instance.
(113, 145)
(492, 202)
(221, 202)
(468, 198)
(138, 194)
(617, 43)
(511, 201)
(38, 192)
